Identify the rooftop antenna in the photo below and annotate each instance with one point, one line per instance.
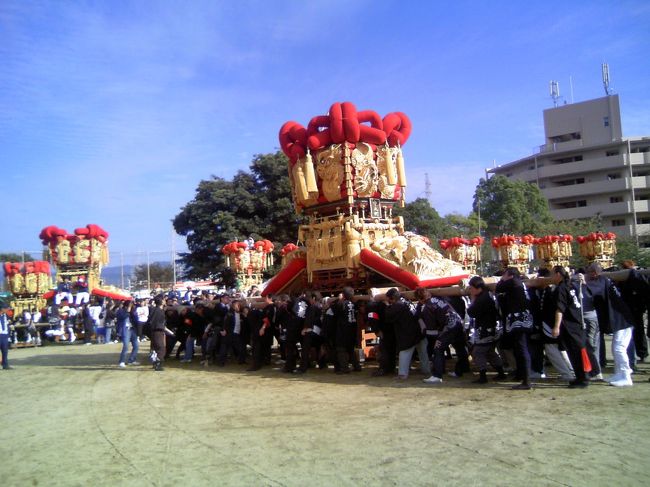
(605, 70)
(427, 186)
(555, 92)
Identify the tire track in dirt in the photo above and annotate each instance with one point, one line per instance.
(221, 453)
(474, 451)
(103, 433)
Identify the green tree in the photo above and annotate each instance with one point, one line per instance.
(510, 206)
(457, 225)
(14, 257)
(159, 273)
(627, 249)
(257, 203)
(421, 218)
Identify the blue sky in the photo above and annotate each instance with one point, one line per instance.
(111, 112)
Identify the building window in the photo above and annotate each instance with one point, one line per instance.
(611, 153)
(566, 160)
(606, 121)
(636, 150)
(571, 182)
(643, 220)
(566, 137)
(642, 197)
(637, 174)
(573, 204)
(509, 175)
(619, 222)
(615, 199)
(610, 177)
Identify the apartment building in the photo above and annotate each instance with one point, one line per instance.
(587, 168)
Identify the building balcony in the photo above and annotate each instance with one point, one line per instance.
(561, 146)
(641, 206)
(585, 189)
(641, 182)
(550, 170)
(590, 211)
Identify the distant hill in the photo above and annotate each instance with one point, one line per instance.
(113, 275)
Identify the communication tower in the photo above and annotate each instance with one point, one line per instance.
(605, 71)
(555, 92)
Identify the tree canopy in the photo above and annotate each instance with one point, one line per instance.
(509, 206)
(14, 257)
(421, 218)
(254, 203)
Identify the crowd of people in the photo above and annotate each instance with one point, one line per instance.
(515, 329)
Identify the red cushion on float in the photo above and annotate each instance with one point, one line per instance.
(371, 135)
(391, 122)
(317, 123)
(111, 294)
(296, 151)
(388, 269)
(443, 281)
(336, 123)
(397, 127)
(350, 122)
(286, 275)
(372, 117)
(291, 134)
(401, 276)
(320, 140)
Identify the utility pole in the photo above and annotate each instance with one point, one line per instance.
(148, 273)
(173, 257)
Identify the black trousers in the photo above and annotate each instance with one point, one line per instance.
(310, 342)
(388, 352)
(139, 326)
(455, 338)
(257, 348)
(4, 348)
(536, 349)
(230, 342)
(520, 338)
(573, 338)
(638, 334)
(291, 354)
(346, 340)
(158, 344)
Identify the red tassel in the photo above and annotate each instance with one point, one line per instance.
(586, 363)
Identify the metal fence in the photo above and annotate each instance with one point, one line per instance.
(120, 271)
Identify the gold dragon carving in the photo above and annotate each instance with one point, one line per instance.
(387, 172)
(366, 176)
(331, 172)
(412, 253)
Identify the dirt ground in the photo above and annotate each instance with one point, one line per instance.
(70, 416)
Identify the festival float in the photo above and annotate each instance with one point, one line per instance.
(467, 252)
(598, 247)
(79, 258)
(28, 282)
(514, 251)
(249, 261)
(554, 250)
(347, 173)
